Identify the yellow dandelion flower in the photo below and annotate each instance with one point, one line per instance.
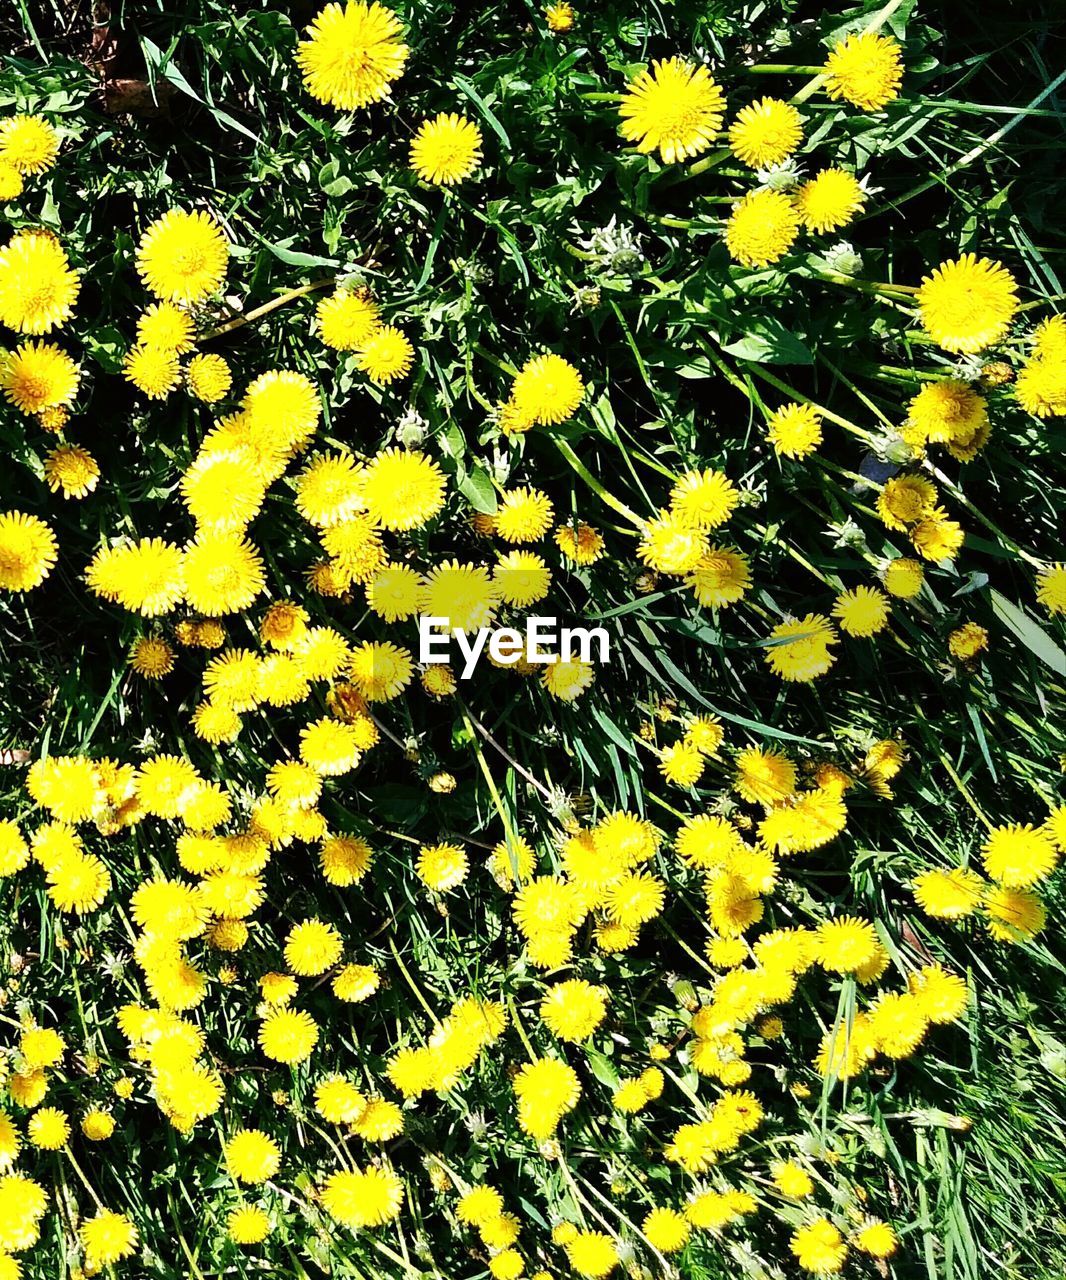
(152, 657)
(967, 641)
(547, 390)
(98, 1125)
(446, 149)
(943, 996)
(223, 491)
(1041, 386)
(829, 200)
(363, 1198)
(48, 1129)
(905, 500)
(1051, 587)
(312, 947)
(819, 1248)
(347, 319)
(479, 1205)
(464, 594)
(948, 895)
(967, 304)
(1018, 856)
(106, 1238)
(380, 670)
(28, 144)
(223, 573)
(865, 70)
(795, 430)
(798, 649)
(71, 470)
(167, 327)
(386, 355)
(1014, 915)
(288, 1035)
(38, 289)
(22, 1206)
(862, 611)
(903, 578)
(703, 499)
(355, 983)
(282, 410)
(11, 182)
(592, 1254)
(936, 537)
(522, 578)
(27, 551)
(580, 543)
(152, 370)
(675, 108)
(38, 376)
(182, 256)
(523, 515)
(666, 1230)
(845, 944)
(251, 1156)
(14, 851)
(898, 1024)
(765, 133)
(283, 625)
(351, 55)
(876, 1239)
(545, 1090)
(573, 1010)
(761, 228)
(946, 411)
(442, 867)
(672, 544)
(379, 1121)
(567, 680)
(559, 18)
(681, 763)
(721, 578)
(439, 681)
(764, 777)
(248, 1224)
(208, 378)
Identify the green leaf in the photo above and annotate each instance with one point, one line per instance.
(477, 487)
(464, 86)
(294, 258)
(160, 63)
(770, 342)
(1035, 639)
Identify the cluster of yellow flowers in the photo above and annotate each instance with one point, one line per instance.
(578, 894)
(1016, 857)
(605, 872)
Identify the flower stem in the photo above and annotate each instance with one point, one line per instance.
(864, 286)
(273, 305)
(783, 69)
(708, 162)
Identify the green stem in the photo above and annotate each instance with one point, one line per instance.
(793, 394)
(963, 501)
(258, 312)
(783, 69)
(708, 162)
(412, 984)
(864, 286)
(616, 504)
